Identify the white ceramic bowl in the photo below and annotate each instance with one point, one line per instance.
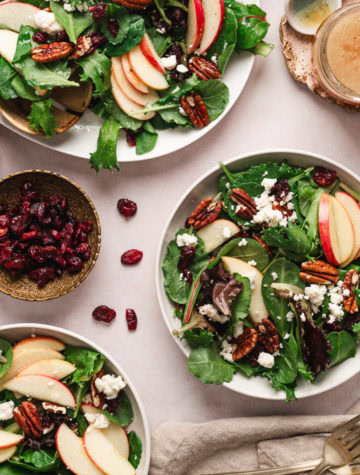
(16, 332)
(207, 186)
(292, 8)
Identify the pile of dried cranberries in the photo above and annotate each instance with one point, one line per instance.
(41, 238)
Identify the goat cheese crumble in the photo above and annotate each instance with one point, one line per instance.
(181, 68)
(252, 263)
(226, 351)
(110, 385)
(226, 232)
(186, 240)
(6, 410)
(274, 275)
(266, 359)
(46, 21)
(208, 310)
(98, 421)
(170, 62)
(242, 243)
(316, 294)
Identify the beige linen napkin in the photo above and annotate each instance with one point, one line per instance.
(240, 443)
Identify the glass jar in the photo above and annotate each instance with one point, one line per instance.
(336, 54)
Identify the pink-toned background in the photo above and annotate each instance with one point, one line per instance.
(272, 112)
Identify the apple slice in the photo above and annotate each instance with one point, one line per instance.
(115, 433)
(131, 76)
(353, 209)
(104, 455)
(8, 439)
(72, 453)
(57, 369)
(8, 42)
(5, 454)
(196, 25)
(42, 387)
(214, 12)
(257, 309)
(216, 233)
(26, 358)
(336, 230)
(145, 71)
(148, 50)
(38, 342)
(129, 91)
(15, 14)
(129, 107)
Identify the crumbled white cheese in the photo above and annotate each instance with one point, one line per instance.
(98, 421)
(181, 276)
(6, 410)
(268, 184)
(290, 316)
(239, 329)
(186, 240)
(161, 30)
(182, 112)
(181, 68)
(286, 336)
(242, 243)
(316, 294)
(46, 21)
(336, 294)
(303, 317)
(274, 275)
(226, 351)
(54, 408)
(252, 277)
(214, 59)
(252, 262)
(346, 292)
(212, 313)
(266, 359)
(169, 62)
(69, 8)
(110, 385)
(226, 232)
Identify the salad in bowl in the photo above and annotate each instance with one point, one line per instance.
(264, 276)
(142, 66)
(64, 408)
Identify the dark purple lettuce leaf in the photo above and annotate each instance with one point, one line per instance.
(224, 293)
(315, 347)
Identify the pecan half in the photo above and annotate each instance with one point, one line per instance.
(268, 335)
(133, 4)
(203, 68)
(247, 206)
(318, 272)
(98, 398)
(28, 419)
(52, 52)
(245, 343)
(205, 213)
(83, 47)
(351, 282)
(195, 109)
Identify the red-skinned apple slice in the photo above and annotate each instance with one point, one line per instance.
(214, 11)
(104, 455)
(5, 454)
(8, 439)
(129, 107)
(115, 433)
(130, 92)
(15, 14)
(8, 42)
(145, 71)
(336, 230)
(196, 25)
(353, 209)
(42, 387)
(57, 369)
(38, 342)
(23, 359)
(72, 453)
(150, 53)
(131, 76)
(216, 233)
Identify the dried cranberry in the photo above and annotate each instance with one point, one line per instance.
(18, 224)
(98, 12)
(40, 37)
(55, 234)
(188, 275)
(29, 235)
(82, 248)
(62, 36)
(177, 16)
(324, 177)
(186, 257)
(43, 275)
(130, 138)
(131, 257)
(104, 314)
(281, 189)
(97, 38)
(179, 77)
(174, 50)
(4, 220)
(127, 207)
(331, 327)
(39, 209)
(3, 232)
(131, 319)
(113, 26)
(74, 264)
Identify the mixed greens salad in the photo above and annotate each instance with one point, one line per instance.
(265, 276)
(62, 412)
(142, 58)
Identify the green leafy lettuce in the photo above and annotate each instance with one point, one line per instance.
(5, 357)
(123, 414)
(105, 155)
(207, 365)
(135, 446)
(42, 118)
(7, 74)
(96, 67)
(74, 23)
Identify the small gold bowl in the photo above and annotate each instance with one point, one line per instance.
(81, 206)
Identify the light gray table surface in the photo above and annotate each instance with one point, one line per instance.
(272, 112)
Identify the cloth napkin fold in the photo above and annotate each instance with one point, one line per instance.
(243, 443)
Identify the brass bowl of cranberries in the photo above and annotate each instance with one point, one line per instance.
(49, 235)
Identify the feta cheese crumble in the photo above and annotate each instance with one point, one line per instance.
(54, 408)
(239, 329)
(186, 240)
(208, 310)
(252, 263)
(316, 294)
(266, 359)
(170, 62)
(181, 68)
(226, 351)
(6, 410)
(274, 275)
(252, 277)
(290, 316)
(110, 385)
(226, 232)
(46, 21)
(98, 421)
(242, 243)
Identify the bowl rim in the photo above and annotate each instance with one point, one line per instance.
(277, 395)
(62, 331)
(98, 224)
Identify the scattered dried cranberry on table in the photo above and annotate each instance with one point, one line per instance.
(41, 238)
(104, 314)
(131, 257)
(127, 207)
(131, 319)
